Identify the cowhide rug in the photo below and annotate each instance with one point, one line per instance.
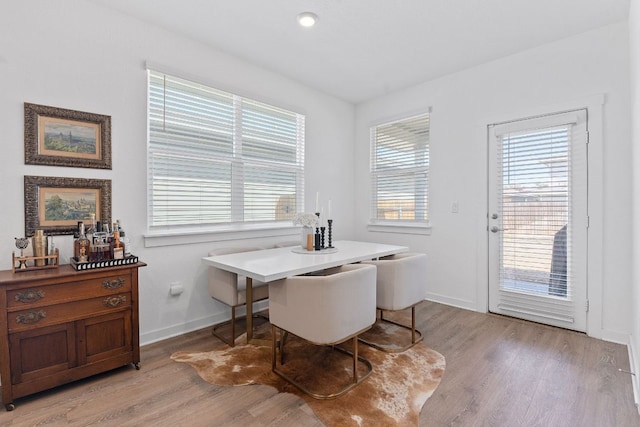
(393, 395)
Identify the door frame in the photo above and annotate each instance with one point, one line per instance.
(595, 206)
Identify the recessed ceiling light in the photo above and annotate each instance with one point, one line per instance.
(307, 19)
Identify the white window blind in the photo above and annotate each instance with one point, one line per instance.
(537, 197)
(400, 171)
(535, 209)
(217, 158)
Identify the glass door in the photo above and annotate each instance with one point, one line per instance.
(538, 219)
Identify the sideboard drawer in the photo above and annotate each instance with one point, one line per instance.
(55, 294)
(30, 318)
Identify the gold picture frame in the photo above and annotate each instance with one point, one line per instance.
(60, 137)
(55, 204)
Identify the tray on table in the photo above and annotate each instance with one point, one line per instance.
(92, 265)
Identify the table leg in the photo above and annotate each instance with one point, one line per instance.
(249, 305)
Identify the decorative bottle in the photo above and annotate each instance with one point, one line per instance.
(76, 242)
(124, 239)
(117, 247)
(126, 242)
(101, 249)
(84, 246)
(91, 228)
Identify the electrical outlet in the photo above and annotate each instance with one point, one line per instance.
(176, 288)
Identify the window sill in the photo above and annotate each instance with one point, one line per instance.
(386, 227)
(224, 233)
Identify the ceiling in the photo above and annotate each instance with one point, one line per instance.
(361, 49)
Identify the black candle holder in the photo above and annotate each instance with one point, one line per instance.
(322, 229)
(330, 222)
(317, 246)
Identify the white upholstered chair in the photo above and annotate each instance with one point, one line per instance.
(325, 308)
(230, 289)
(401, 284)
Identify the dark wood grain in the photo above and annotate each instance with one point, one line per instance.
(80, 324)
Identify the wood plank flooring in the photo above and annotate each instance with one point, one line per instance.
(500, 372)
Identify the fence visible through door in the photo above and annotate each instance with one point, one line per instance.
(537, 220)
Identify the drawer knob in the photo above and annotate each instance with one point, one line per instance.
(29, 296)
(113, 284)
(112, 302)
(30, 317)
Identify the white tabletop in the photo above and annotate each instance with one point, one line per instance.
(268, 265)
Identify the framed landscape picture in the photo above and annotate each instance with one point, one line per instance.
(55, 205)
(60, 137)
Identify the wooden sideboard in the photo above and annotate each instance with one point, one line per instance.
(60, 325)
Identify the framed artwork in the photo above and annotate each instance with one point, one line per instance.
(55, 205)
(60, 137)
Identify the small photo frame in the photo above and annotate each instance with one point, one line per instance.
(59, 137)
(55, 204)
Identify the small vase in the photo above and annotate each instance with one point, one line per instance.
(305, 232)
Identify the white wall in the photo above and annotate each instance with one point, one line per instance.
(634, 49)
(76, 55)
(563, 73)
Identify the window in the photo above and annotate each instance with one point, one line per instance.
(215, 158)
(400, 172)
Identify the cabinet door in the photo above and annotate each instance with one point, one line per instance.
(104, 337)
(37, 353)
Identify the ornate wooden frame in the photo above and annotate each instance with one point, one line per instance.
(38, 117)
(34, 207)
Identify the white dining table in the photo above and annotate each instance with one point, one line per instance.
(268, 265)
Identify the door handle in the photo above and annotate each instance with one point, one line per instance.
(495, 229)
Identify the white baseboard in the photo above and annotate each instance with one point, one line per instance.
(612, 336)
(183, 328)
(454, 302)
(634, 366)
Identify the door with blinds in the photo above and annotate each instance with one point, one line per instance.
(538, 219)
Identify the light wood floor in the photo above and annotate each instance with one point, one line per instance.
(500, 372)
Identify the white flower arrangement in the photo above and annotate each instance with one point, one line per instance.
(306, 220)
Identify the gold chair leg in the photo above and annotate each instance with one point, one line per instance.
(274, 344)
(413, 324)
(283, 339)
(323, 396)
(233, 327)
(416, 335)
(355, 360)
(232, 322)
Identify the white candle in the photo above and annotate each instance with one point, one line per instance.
(329, 210)
(317, 201)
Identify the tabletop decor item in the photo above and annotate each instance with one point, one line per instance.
(40, 244)
(330, 231)
(308, 221)
(42, 258)
(22, 243)
(316, 237)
